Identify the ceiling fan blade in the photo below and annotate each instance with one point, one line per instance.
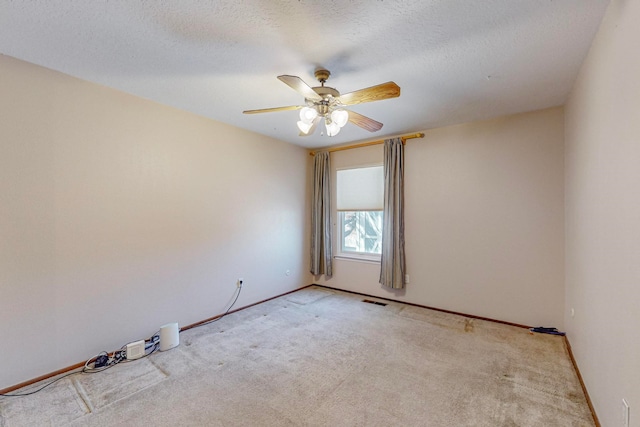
(271, 110)
(297, 84)
(373, 93)
(364, 122)
(313, 127)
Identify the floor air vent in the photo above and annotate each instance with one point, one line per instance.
(374, 302)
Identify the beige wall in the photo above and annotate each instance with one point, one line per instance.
(118, 215)
(484, 220)
(603, 216)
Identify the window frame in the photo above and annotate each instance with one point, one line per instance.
(339, 253)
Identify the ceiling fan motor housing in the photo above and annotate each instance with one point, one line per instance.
(326, 92)
(322, 108)
(329, 99)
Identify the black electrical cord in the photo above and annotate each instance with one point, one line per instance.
(225, 313)
(41, 388)
(115, 360)
(84, 370)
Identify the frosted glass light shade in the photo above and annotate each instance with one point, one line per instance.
(307, 115)
(332, 128)
(304, 127)
(340, 117)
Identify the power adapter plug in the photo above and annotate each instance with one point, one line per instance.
(101, 361)
(135, 350)
(119, 356)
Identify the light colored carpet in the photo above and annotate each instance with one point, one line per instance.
(319, 357)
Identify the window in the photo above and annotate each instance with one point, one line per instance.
(359, 201)
(361, 232)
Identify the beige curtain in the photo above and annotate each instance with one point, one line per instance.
(321, 246)
(392, 265)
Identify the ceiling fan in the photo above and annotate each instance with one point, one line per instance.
(325, 103)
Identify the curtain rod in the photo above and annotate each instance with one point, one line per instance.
(366, 144)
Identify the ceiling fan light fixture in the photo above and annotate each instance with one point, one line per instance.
(332, 128)
(308, 115)
(304, 127)
(340, 117)
(324, 102)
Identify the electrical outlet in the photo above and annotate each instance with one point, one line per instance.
(240, 282)
(625, 413)
(288, 272)
(573, 312)
(406, 279)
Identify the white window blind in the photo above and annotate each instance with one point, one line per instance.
(360, 189)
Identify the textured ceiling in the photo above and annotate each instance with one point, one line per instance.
(455, 60)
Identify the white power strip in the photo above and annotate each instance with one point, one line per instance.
(135, 350)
